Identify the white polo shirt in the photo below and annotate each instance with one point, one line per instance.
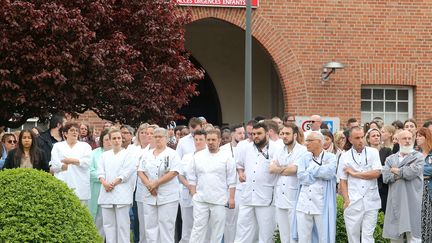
(360, 190)
(259, 186)
(287, 186)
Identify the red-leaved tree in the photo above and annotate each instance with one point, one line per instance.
(125, 60)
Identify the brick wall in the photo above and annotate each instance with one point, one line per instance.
(382, 42)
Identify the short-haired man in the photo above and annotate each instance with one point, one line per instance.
(285, 166)
(186, 144)
(127, 135)
(186, 205)
(256, 209)
(315, 124)
(352, 122)
(273, 131)
(403, 172)
(213, 172)
(289, 118)
(358, 171)
(277, 120)
(316, 202)
(48, 138)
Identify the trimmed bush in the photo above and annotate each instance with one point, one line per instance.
(36, 207)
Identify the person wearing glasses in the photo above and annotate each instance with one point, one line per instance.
(315, 124)
(315, 215)
(8, 142)
(70, 162)
(26, 154)
(256, 212)
(158, 172)
(359, 169)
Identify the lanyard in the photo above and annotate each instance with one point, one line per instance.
(266, 155)
(316, 161)
(352, 154)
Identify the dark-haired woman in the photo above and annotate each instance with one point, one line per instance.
(26, 154)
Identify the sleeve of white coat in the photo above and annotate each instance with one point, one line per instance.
(55, 163)
(375, 159)
(129, 166)
(231, 173)
(100, 172)
(192, 175)
(340, 171)
(239, 158)
(305, 176)
(85, 158)
(175, 163)
(179, 148)
(326, 171)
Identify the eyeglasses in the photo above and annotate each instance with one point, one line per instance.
(125, 133)
(310, 140)
(290, 120)
(313, 121)
(12, 141)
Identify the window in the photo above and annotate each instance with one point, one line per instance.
(389, 102)
(30, 123)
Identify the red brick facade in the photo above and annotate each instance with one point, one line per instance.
(380, 42)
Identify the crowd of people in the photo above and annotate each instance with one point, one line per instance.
(239, 183)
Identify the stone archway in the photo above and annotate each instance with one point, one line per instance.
(279, 49)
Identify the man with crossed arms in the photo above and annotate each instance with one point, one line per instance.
(358, 171)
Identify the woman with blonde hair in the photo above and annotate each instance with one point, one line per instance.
(387, 133)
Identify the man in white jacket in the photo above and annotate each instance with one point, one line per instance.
(212, 173)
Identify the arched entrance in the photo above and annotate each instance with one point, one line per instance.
(218, 46)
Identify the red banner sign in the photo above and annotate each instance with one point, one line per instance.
(217, 3)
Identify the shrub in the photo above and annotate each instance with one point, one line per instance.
(36, 207)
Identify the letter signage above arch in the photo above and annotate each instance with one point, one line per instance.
(217, 3)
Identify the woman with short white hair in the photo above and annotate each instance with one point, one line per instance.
(158, 172)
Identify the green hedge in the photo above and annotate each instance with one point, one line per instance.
(36, 207)
(341, 235)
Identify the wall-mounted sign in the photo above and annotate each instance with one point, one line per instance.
(218, 3)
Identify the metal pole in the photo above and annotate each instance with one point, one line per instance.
(248, 63)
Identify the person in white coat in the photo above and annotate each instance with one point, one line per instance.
(358, 171)
(186, 205)
(256, 211)
(70, 162)
(158, 172)
(213, 172)
(315, 215)
(238, 135)
(116, 171)
(285, 166)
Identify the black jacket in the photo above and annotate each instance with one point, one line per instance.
(41, 163)
(45, 143)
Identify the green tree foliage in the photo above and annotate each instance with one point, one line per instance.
(124, 60)
(36, 207)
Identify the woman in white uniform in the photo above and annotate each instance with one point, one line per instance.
(158, 172)
(115, 172)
